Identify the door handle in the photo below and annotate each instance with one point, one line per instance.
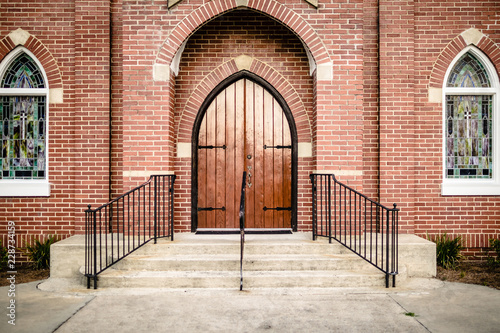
(249, 176)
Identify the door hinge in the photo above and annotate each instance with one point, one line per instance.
(209, 209)
(212, 147)
(278, 208)
(277, 147)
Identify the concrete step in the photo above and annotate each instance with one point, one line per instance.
(231, 262)
(213, 261)
(231, 279)
(251, 247)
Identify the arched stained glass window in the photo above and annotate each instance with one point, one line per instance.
(468, 72)
(23, 73)
(470, 140)
(24, 120)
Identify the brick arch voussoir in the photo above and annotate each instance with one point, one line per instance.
(41, 52)
(200, 93)
(292, 98)
(189, 24)
(445, 58)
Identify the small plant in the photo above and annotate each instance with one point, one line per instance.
(39, 253)
(3, 256)
(448, 250)
(410, 314)
(492, 261)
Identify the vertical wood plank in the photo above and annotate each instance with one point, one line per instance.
(202, 174)
(278, 164)
(220, 140)
(250, 217)
(239, 131)
(287, 173)
(268, 160)
(230, 178)
(257, 138)
(211, 163)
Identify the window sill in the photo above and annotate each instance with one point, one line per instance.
(475, 188)
(24, 188)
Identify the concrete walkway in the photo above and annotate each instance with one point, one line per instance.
(437, 307)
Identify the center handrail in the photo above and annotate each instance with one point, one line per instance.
(242, 226)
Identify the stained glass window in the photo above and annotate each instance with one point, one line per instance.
(468, 72)
(23, 73)
(24, 121)
(469, 136)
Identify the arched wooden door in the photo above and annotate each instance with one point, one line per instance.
(244, 127)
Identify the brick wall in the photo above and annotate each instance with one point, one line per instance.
(91, 147)
(116, 100)
(71, 40)
(384, 140)
(51, 40)
(438, 26)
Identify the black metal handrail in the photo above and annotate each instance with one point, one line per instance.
(364, 226)
(116, 229)
(242, 226)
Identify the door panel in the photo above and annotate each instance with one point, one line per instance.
(244, 128)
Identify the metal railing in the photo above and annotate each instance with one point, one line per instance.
(242, 226)
(116, 229)
(364, 226)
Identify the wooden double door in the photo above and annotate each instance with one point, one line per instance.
(244, 128)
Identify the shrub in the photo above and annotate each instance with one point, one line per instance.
(495, 245)
(3, 256)
(39, 253)
(448, 250)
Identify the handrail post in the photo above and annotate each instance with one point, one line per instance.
(329, 198)
(314, 200)
(94, 216)
(387, 244)
(155, 207)
(171, 182)
(395, 236)
(87, 246)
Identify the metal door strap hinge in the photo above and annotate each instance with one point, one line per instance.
(278, 147)
(212, 147)
(209, 209)
(278, 208)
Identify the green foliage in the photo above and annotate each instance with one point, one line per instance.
(3, 256)
(492, 261)
(39, 253)
(448, 250)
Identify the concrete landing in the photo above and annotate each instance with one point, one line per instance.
(435, 306)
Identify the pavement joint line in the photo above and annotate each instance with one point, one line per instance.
(74, 313)
(406, 310)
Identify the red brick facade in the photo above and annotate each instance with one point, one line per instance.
(357, 75)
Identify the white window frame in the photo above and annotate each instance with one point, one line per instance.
(453, 186)
(27, 187)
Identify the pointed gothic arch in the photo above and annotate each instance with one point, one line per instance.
(243, 74)
(187, 26)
